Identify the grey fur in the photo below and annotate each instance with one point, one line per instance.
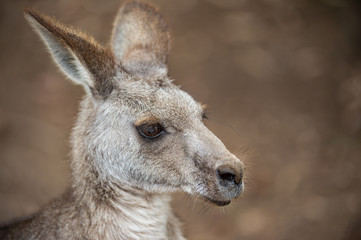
(121, 181)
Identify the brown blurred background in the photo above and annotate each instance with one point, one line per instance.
(283, 82)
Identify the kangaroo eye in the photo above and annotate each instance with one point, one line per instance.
(150, 130)
(204, 116)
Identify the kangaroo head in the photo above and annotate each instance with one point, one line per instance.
(135, 127)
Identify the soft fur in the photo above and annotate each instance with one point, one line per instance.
(120, 180)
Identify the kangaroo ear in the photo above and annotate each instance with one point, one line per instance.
(141, 40)
(79, 56)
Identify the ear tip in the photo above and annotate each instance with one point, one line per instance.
(144, 11)
(130, 5)
(135, 3)
(29, 12)
(37, 19)
(32, 15)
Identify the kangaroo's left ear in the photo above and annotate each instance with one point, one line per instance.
(79, 56)
(141, 40)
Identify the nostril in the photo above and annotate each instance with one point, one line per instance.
(228, 175)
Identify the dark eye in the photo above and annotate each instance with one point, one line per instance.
(204, 116)
(151, 130)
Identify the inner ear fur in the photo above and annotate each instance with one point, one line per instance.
(141, 40)
(79, 56)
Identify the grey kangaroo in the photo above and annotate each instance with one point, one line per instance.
(137, 139)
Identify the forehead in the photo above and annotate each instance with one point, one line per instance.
(174, 103)
(160, 100)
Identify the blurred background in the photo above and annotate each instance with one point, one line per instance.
(283, 82)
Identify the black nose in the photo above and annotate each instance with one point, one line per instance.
(228, 175)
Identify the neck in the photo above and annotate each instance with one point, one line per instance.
(119, 211)
(124, 212)
(134, 215)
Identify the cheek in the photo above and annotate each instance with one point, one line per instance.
(114, 156)
(113, 146)
(166, 157)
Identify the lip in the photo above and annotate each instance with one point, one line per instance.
(219, 203)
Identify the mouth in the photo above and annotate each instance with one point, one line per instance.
(219, 203)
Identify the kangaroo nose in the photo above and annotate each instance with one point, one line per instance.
(228, 175)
